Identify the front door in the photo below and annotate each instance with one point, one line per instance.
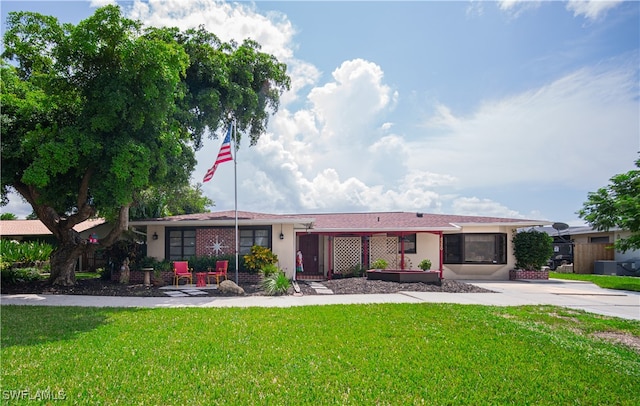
(308, 244)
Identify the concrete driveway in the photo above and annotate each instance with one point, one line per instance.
(566, 293)
(571, 294)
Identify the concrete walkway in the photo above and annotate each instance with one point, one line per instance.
(571, 294)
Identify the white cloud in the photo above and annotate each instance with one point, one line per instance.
(592, 9)
(228, 21)
(473, 206)
(516, 7)
(101, 3)
(357, 94)
(572, 131)
(18, 206)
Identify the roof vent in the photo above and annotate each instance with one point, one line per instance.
(418, 214)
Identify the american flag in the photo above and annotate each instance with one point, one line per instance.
(223, 156)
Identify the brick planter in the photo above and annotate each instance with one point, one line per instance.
(516, 274)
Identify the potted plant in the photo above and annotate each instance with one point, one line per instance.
(425, 265)
(379, 263)
(532, 250)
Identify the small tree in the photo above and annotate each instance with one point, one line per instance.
(532, 249)
(617, 205)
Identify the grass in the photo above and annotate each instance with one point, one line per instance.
(356, 354)
(604, 281)
(87, 275)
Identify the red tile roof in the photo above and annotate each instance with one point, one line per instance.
(336, 222)
(230, 215)
(406, 221)
(36, 227)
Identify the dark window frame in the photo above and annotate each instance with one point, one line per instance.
(168, 246)
(456, 246)
(245, 249)
(410, 243)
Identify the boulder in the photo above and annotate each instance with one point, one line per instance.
(228, 287)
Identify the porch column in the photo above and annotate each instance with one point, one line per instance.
(440, 234)
(329, 271)
(401, 250)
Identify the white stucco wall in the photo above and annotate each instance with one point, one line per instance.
(285, 248)
(427, 247)
(483, 271)
(155, 248)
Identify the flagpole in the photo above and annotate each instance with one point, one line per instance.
(235, 192)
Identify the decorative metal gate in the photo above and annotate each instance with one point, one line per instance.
(347, 253)
(386, 248)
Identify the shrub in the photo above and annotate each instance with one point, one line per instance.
(276, 284)
(200, 264)
(355, 271)
(425, 265)
(19, 275)
(259, 257)
(269, 270)
(28, 253)
(105, 273)
(532, 249)
(379, 264)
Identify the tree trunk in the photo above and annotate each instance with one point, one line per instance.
(63, 268)
(70, 243)
(64, 258)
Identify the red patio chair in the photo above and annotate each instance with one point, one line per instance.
(221, 271)
(181, 270)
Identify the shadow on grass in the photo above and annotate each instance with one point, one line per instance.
(33, 325)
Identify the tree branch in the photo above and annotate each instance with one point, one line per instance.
(85, 209)
(120, 225)
(46, 214)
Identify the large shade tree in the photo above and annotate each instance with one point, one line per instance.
(94, 114)
(617, 205)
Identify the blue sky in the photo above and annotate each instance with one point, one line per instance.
(510, 109)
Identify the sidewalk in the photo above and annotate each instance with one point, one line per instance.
(571, 294)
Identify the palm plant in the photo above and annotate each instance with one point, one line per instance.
(276, 284)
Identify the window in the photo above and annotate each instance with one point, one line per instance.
(254, 236)
(409, 244)
(594, 240)
(182, 244)
(475, 248)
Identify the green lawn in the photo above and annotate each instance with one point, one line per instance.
(359, 354)
(604, 281)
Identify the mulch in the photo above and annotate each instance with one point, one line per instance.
(360, 285)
